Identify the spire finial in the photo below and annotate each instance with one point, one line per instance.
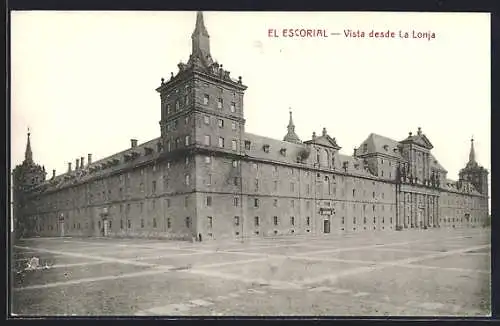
(472, 153)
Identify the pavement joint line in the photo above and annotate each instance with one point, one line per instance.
(154, 271)
(453, 269)
(158, 256)
(382, 265)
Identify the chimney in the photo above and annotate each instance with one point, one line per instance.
(76, 164)
(314, 135)
(53, 174)
(419, 132)
(69, 166)
(355, 151)
(89, 159)
(82, 160)
(324, 132)
(133, 143)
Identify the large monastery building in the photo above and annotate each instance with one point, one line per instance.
(205, 175)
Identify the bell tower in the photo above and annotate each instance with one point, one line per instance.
(475, 173)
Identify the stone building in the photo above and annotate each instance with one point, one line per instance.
(206, 176)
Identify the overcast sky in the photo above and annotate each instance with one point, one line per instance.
(84, 82)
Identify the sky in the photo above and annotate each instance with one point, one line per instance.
(84, 82)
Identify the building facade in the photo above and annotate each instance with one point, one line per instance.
(205, 176)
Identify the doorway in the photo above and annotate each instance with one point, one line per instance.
(326, 226)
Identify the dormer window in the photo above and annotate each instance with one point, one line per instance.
(266, 148)
(386, 147)
(283, 151)
(177, 105)
(148, 150)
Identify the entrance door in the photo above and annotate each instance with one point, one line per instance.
(326, 226)
(105, 228)
(61, 228)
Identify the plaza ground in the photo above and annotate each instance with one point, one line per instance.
(435, 272)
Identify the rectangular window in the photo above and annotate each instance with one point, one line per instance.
(308, 221)
(233, 125)
(209, 201)
(208, 159)
(256, 221)
(154, 187)
(186, 179)
(221, 142)
(154, 222)
(206, 120)
(236, 220)
(186, 201)
(220, 123)
(142, 223)
(343, 220)
(129, 224)
(207, 140)
(167, 201)
(205, 99)
(292, 187)
(292, 203)
(256, 182)
(188, 222)
(121, 224)
(275, 185)
(235, 180)
(210, 222)
(186, 140)
(256, 202)
(219, 103)
(236, 201)
(275, 203)
(186, 99)
(187, 160)
(292, 220)
(235, 163)
(142, 207)
(275, 220)
(233, 107)
(233, 145)
(247, 145)
(169, 223)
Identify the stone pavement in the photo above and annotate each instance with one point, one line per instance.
(410, 273)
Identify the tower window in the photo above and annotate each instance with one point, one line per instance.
(168, 109)
(220, 123)
(233, 107)
(207, 140)
(206, 120)
(256, 221)
(292, 220)
(176, 105)
(233, 145)
(235, 163)
(236, 220)
(256, 202)
(205, 99)
(275, 220)
(219, 103)
(210, 223)
(236, 201)
(233, 125)
(221, 142)
(308, 221)
(208, 159)
(186, 140)
(209, 201)
(247, 144)
(186, 99)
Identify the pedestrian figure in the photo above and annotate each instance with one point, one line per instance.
(199, 237)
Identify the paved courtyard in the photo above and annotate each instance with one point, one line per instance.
(419, 272)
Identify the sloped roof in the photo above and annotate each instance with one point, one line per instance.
(435, 164)
(276, 149)
(81, 175)
(354, 165)
(380, 144)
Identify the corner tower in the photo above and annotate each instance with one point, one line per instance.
(475, 173)
(201, 105)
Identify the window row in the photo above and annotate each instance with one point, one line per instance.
(220, 103)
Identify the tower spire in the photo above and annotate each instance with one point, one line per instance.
(28, 154)
(200, 39)
(291, 136)
(472, 154)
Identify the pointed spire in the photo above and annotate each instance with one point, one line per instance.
(472, 154)
(291, 136)
(28, 154)
(200, 39)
